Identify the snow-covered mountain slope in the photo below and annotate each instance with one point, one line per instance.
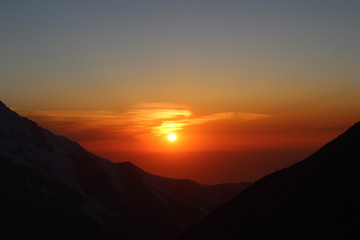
(115, 200)
(317, 198)
(33, 206)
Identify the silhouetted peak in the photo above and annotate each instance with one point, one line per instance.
(350, 135)
(354, 129)
(3, 107)
(316, 198)
(9, 119)
(6, 111)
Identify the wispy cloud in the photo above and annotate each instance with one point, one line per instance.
(150, 118)
(177, 124)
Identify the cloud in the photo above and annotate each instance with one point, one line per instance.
(150, 118)
(175, 125)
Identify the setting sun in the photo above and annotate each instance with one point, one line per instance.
(171, 137)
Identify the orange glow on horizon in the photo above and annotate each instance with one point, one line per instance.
(146, 134)
(144, 127)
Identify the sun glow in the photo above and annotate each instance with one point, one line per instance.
(171, 137)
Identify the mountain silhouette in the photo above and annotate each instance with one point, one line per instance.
(52, 188)
(317, 198)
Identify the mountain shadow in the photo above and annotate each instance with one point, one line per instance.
(317, 198)
(52, 188)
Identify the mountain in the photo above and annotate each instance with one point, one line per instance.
(52, 188)
(317, 198)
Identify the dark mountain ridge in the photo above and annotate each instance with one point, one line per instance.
(317, 198)
(52, 188)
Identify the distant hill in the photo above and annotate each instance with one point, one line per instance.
(52, 188)
(318, 198)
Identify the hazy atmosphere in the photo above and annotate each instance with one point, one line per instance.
(224, 76)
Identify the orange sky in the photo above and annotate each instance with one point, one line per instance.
(118, 76)
(145, 127)
(213, 148)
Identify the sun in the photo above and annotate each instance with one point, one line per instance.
(171, 137)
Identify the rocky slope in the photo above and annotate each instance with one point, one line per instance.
(52, 188)
(317, 198)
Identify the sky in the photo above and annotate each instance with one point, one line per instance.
(225, 76)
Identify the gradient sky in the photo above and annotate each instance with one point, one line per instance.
(224, 75)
